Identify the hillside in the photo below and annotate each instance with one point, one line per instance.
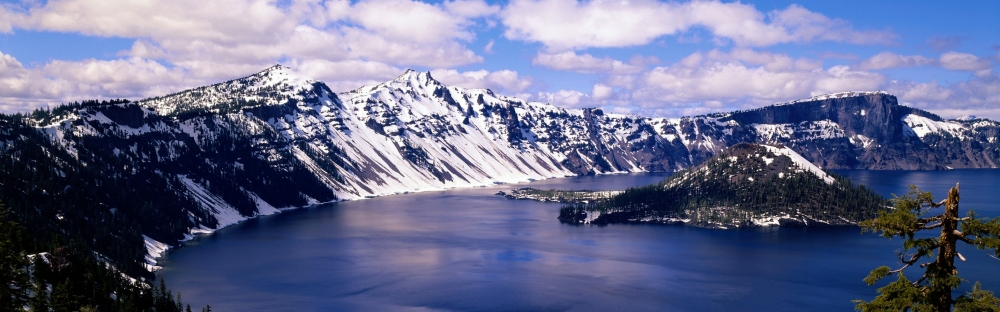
(746, 185)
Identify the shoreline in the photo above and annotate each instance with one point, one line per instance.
(156, 250)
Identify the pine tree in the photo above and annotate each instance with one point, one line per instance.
(41, 300)
(14, 279)
(933, 290)
(62, 297)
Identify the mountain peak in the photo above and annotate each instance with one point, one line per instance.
(275, 67)
(415, 76)
(272, 86)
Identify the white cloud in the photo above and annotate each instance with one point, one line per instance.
(504, 81)
(23, 89)
(892, 60)
(401, 32)
(418, 21)
(601, 92)
(342, 76)
(585, 63)
(489, 47)
(196, 41)
(568, 24)
(716, 81)
(979, 96)
(963, 61)
(564, 98)
(742, 74)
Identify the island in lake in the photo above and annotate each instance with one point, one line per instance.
(747, 185)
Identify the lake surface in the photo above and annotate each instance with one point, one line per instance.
(467, 249)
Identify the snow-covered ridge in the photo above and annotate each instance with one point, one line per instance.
(837, 95)
(272, 86)
(800, 162)
(922, 126)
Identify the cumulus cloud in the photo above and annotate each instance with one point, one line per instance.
(23, 89)
(963, 62)
(420, 22)
(602, 91)
(342, 76)
(586, 63)
(203, 42)
(506, 81)
(569, 24)
(979, 96)
(715, 81)
(886, 60)
(718, 81)
(564, 98)
(742, 74)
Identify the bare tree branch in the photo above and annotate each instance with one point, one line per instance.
(961, 236)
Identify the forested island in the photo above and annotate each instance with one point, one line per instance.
(746, 185)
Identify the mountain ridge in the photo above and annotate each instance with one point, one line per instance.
(276, 139)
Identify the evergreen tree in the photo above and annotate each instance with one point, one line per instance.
(62, 297)
(40, 302)
(933, 290)
(14, 279)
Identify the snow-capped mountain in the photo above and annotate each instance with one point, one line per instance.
(276, 139)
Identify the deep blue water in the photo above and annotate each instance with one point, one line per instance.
(467, 249)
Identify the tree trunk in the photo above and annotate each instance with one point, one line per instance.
(945, 262)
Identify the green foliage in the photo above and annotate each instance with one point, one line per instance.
(978, 299)
(896, 296)
(933, 290)
(79, 280)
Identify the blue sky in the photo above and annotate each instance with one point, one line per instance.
(644, 57)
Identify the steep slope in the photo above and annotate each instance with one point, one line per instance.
(745, 185)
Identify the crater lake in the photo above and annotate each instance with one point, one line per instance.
(469, 250)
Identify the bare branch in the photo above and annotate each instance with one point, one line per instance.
(934, 226)
(907, 263)
(960, 257)
(961, 236)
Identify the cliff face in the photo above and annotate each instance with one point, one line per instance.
(870, 130)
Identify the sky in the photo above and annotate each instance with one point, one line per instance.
(643, 57)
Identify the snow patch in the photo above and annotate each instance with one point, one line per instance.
(838, 95)
(154, 250)
(922, 126)
(800, 162)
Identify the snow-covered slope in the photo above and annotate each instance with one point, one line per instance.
(799, 163)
